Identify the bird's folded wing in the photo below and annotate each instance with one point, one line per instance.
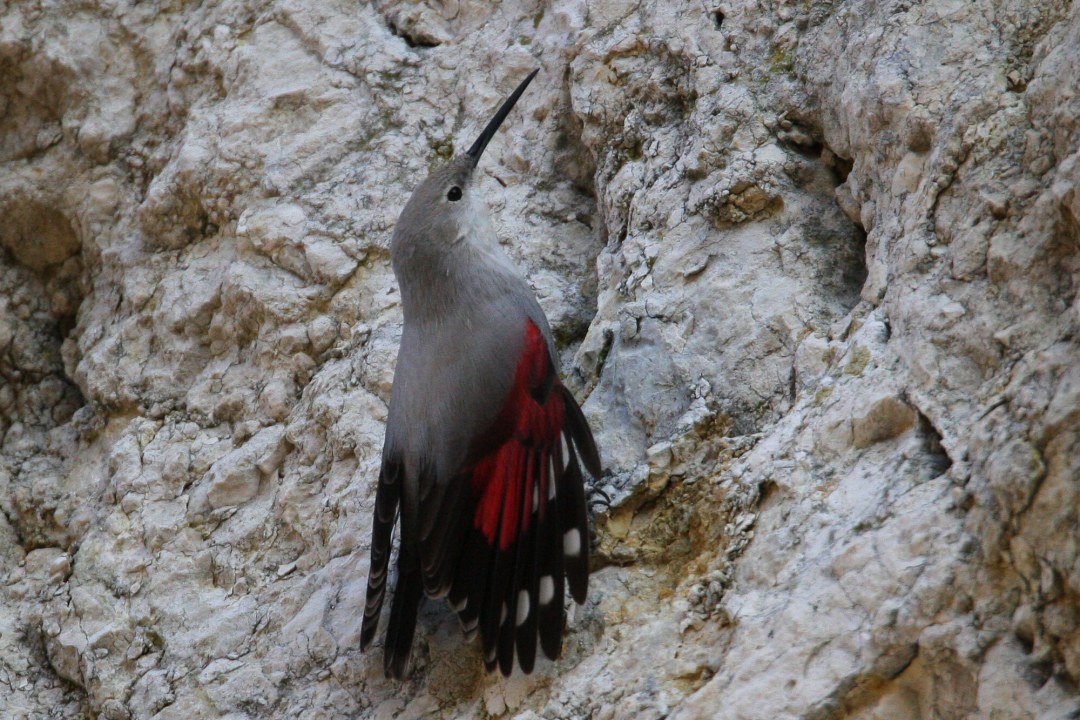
(527, 528)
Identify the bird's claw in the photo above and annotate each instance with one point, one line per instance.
(598, 497)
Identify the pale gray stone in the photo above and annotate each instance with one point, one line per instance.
(812, 267)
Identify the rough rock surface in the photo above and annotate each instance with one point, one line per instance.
(813, 267)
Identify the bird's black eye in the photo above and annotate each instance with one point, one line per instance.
(453, 194)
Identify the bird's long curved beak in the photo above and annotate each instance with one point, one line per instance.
(477, 148)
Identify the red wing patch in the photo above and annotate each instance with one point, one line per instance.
(518, 469)
(529, 534)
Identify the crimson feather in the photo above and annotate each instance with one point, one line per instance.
(530, 518)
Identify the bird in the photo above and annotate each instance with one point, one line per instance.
(482, 458)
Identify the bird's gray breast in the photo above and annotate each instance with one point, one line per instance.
(453, 375)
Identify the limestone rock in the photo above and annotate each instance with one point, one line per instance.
(813, 268)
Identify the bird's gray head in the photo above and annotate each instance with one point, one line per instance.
(444, 210)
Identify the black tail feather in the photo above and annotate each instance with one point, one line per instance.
(387, 497)
(403, 610)
(438, 547)
(474, 569)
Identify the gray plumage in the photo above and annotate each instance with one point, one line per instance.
(457, 285)
(480, 456)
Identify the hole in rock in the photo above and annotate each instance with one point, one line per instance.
(939, 459)
(1027, 642)
(1041, 672)
(41, 288)
(841, 166)
(414, 37)
(767, 489)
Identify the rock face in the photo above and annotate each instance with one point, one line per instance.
(813, 268)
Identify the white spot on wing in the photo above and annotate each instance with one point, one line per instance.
(458, 607)
(571, 542)
(536, 495)
(502, 614)
(565, 451)
(551, 478)
(547, 589)
(522, 608)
